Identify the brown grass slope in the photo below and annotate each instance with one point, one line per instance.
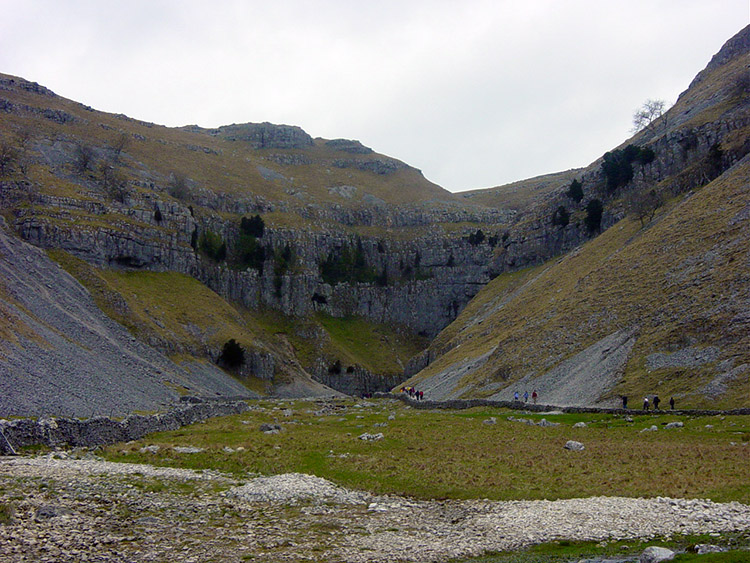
(680, 286)
(523, 193)
(209, 161)
(638, 310)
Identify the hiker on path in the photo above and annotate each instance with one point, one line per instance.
(656, 402)
(671, 403)
(534, 396)
(525, 396)
(624, 401)
(515, 396)
(645, 403)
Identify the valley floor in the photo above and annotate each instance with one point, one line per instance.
(59, 509)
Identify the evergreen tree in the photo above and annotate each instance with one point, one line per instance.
(593, 219)
(575, 191)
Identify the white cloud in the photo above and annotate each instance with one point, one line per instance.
(475, 93)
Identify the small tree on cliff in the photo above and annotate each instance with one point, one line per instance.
(644, 205)
(648, 114)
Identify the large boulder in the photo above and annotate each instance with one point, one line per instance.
(655, 554)
(573, 446)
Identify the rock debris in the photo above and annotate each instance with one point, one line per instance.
(68, 510)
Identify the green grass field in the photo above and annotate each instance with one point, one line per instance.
(566, 551)
(455, 454)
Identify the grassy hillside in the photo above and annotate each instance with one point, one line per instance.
(184, 318)
(681, 284)
(522, 194)
(152, 153)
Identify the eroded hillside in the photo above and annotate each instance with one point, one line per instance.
(656, 304)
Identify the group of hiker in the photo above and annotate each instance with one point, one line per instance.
(413, 393)
(534, 396)
(655, 400)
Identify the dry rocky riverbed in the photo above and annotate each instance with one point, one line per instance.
(78, 510)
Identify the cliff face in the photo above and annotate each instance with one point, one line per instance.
(426, 279)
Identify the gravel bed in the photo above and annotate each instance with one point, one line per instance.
(293, 488)
(69, 510)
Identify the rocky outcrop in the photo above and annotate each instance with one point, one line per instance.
(355, 381)
(346, 145)
(380, 166)
(267, 135)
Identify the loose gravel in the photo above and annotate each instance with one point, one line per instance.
(79, 510)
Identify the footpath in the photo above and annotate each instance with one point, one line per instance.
(459, 404)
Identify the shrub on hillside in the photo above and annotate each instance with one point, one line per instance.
(8, 157)
(593, 219)
(617, 165)
(253, 226)
(347, 264)
(178, 186)
(249, 252)
(575, 191)
(83, 157)
(232, 354)
(212, 245)
(476, 238)
(643, 205)
(560, 217)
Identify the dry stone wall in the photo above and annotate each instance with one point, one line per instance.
(99, 431)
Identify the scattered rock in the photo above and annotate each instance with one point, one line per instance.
(270, 428)
(491, 420)
(47, 512)
(293, 487)
(652, 428)
(545, 422)
(523, 420)
(580, 425)
(573, 446)
(148, 521)
(450, 529)
(367, 437)
(656, 554)
(150, 449)
(702, 548)
(677, 424)
(187, 449)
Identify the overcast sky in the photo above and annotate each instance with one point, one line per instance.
(475, 93)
